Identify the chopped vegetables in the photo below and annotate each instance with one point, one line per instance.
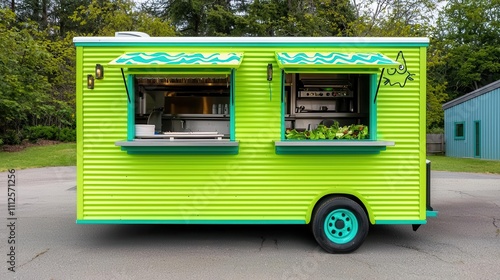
(354, 131)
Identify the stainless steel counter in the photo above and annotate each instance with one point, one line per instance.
(196, 116)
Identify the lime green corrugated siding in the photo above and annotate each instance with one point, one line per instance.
(255, 184)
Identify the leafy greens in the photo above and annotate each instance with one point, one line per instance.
(322, 132)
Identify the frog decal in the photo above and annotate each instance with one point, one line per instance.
(400, 75)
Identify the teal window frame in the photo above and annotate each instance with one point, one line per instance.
(367, 146)
(155, 146)
(372, 121)
(455, 131)
(131, 108)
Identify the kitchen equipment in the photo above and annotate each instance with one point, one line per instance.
(342, 105)
(320, 93)
(299, 109)
(154, 119)
(321, 88)
(327, 122)
(193, 135)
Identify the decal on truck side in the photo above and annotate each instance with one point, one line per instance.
(400, 75)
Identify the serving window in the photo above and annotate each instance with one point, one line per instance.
(328, 100)
(187, 109)
(329, 103)
(183, 106)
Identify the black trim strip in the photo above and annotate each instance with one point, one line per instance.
(378, 86)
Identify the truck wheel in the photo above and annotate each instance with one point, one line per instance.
(340, 225)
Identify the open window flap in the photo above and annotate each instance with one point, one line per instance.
(125, 83)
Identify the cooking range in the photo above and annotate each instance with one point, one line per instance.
(321, 88)
(324, 95)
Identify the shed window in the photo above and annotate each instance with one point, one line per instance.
(459, 131)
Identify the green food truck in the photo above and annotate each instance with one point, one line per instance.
(324, 131)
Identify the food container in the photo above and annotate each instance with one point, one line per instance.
(144, 130)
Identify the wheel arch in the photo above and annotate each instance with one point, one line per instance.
(353, 195)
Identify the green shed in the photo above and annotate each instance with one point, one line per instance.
(322, 131)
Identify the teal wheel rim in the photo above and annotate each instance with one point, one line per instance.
(341, 226)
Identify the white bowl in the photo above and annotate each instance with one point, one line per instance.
(144, 129)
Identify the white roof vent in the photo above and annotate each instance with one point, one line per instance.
(131, 34)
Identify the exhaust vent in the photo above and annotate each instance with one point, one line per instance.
(131, 34)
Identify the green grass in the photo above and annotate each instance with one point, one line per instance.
(39, 156)
(442, 163)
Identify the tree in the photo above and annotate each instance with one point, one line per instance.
(24, 92)
(8, 4)
(394, 17)
(300, 18)
(255, 18)
(200, 17)
(469, 30)
(436, 85)
(104, 18)
(60, 17)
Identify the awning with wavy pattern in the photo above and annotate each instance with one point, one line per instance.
(177, 60)
(333, 60)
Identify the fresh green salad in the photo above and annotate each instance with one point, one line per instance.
(354, 131)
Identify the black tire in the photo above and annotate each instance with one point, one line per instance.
(347, 225)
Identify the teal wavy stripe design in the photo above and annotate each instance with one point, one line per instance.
(162, 58)
(334, 58)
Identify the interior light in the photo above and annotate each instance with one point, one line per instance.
(90, 81)
(99, 71)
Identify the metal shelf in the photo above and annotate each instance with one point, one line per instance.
(322, 115)
(197, 116)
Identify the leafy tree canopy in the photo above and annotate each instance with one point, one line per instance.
(469, 34)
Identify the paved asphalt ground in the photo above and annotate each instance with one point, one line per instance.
(462, 243)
